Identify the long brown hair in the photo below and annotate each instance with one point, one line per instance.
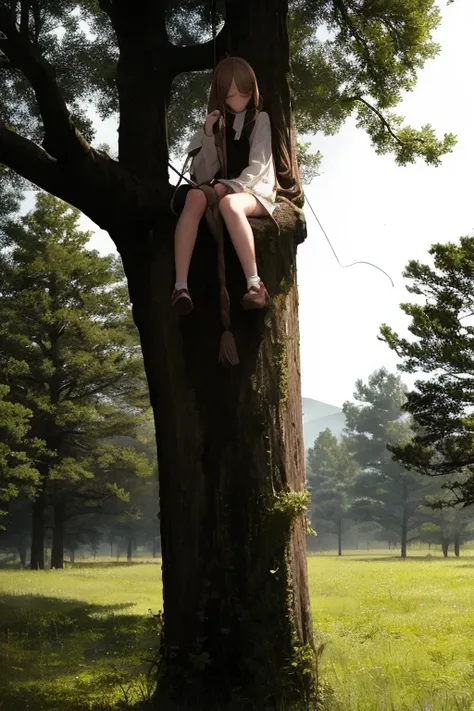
(237, 69)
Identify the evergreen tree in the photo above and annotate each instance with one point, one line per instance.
(331, 472)
(69, 351)
(441, 404)
(17, 451)
(385, 492)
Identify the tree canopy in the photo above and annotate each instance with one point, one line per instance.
(346, 59)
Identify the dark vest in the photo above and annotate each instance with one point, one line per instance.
(237, 151)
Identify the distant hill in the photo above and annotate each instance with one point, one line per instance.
(318, 416)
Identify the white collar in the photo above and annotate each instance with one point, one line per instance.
(239, 124)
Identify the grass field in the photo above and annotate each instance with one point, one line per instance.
(399, 635)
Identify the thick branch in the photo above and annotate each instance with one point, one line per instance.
(144, 85)
(196, 57)
(5, 63)
(25, 18)
(62, 138)
(100, 188)
(30, 161)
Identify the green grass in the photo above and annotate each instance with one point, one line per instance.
(398, 635)
(78, 639)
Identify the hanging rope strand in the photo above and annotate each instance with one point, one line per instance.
(345, 266)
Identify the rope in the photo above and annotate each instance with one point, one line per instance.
(185, 166)
(345, 266)
(182, 174)
(228, 355)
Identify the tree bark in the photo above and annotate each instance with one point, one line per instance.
(232, 486)
(457, 544)
(404, 532)
(237, 630)
(57, 548)
(339, 536)
(445, 548)
(37, 529)
(23, 552)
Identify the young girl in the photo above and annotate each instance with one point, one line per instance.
(233, 152)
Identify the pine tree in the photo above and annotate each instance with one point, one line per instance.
(331, 473)
(17, 452)
(385, 492)
(441, 404)
(69, 353)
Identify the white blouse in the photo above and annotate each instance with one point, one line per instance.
(258, 178)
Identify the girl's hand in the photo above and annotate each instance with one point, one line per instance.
(210, 121)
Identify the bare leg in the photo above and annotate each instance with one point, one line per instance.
(186, 232)
(220, 189)
(235, 209)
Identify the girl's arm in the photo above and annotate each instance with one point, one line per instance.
(205, 163)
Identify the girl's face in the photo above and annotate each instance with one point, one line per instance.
(236, 100)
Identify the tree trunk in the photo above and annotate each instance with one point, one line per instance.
(232, 486)
(404, 533)
(445, 548)
(130, 548)
(339, 536)
(237, 631)
(23, 552)
(457, 544)
(37, 529)
(155, 547)
(57, 547)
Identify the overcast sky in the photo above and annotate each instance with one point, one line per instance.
(376, 211)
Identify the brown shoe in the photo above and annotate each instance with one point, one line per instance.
(181, 302)
(256, 298)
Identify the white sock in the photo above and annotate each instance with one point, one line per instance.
(253, 281)
(181, 285)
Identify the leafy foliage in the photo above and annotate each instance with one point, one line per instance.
(385, 492)
(17, 470)
(346, 57)
(69, 351)
(442, 348)
(331, 472)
